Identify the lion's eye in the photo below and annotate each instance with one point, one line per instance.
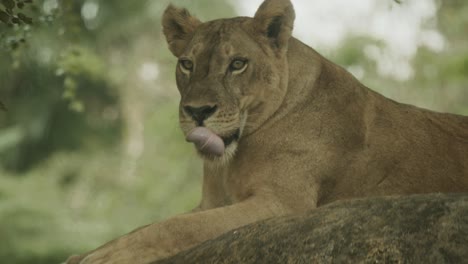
(186, 65)
(238, 65)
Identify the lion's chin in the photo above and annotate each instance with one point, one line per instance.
(222, 160)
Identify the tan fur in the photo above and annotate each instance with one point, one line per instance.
(311, 133)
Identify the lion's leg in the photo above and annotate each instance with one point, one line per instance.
(179, 233)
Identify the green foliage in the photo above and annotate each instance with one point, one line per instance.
(16, 18)
(74, 63)
(351, 52)
(11, 13)
(56, 93)
(42, 121)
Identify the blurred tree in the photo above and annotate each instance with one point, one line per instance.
(439, 79)
(47, 87)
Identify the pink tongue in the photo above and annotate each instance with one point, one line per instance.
(206, 141)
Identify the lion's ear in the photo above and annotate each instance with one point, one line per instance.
(274, 19)
(178, 27)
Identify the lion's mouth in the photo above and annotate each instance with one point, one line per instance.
(209, 143)
(231, 138)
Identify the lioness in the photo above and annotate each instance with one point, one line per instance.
(283, 130)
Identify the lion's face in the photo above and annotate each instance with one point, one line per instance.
(224, 78)
(231, 74)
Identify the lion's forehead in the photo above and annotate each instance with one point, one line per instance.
(222, 38)
(223, 49)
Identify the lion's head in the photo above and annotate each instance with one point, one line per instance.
(232, 74)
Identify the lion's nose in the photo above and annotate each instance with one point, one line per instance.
(200, 114)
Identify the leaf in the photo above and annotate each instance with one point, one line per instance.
(4, 17)
(76, 106)
(15, 20)
(25, 18)
(70, 83)
(9, 4)
(14, 45)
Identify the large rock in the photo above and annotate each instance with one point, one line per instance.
(415, 229)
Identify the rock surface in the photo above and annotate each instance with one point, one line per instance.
(431, 228)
